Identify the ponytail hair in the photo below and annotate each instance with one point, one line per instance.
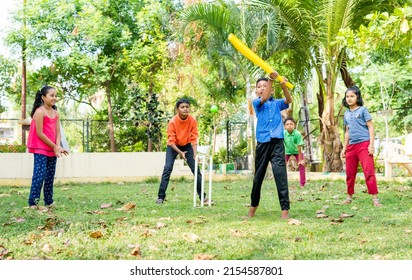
(38, 101)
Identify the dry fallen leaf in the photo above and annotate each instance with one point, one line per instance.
(321, 216)
(338, 220)
(3, 252)
(4, 194)
(203, 257)
(106, 205)
(377, 257)
(237, 233)
(127, 207)
(47, 248)
(297, 239)
(95, 212)
(28, 242)
(294, 222)
(322, 211)
(344, 215)
(195, 222)
(191, 237)
(160, 225)
(96, 234)
(408, 231)
(137, 252)
(19, 219)
(146, 233)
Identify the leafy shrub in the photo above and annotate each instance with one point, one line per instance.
(12, 148)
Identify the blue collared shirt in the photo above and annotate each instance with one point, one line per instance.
(356, 122)
(269, 120)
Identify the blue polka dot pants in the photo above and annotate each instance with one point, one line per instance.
(43, 172)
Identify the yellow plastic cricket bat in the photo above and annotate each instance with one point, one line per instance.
(249, 54)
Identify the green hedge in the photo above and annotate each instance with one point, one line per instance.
(12, 148)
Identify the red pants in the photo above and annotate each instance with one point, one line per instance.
(356, 153)
(302, 171)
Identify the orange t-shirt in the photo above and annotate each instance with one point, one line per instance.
(182, 132)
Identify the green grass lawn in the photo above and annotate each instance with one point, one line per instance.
(79, 228)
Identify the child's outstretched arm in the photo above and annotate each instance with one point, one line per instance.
(61, 150)
(345, 142)
(300, 156)
(371, 148)
(180, 152)
(288, 96)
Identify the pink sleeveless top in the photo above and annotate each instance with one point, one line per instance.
(34, 143)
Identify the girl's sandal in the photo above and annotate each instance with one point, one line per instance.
(376, 202)
(347, 201)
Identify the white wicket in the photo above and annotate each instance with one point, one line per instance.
(202, 153)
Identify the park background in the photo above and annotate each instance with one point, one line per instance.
(119, 66)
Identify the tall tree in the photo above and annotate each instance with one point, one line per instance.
(149, 59)
(86, 50)
(257, 28)
(8, 72)
(314, 27)
(382, 49)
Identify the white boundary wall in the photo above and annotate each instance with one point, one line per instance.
(16, 168)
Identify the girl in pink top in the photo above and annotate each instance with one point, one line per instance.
(44, 143)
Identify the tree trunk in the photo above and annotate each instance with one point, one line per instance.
(110, 114)
(149, 141)
(149, 127)
(250, 117)
(345, 74)
(321, 105)
(23, 80)
(23, 92)
(330, 139)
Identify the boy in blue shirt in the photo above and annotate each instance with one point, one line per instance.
(270, 146)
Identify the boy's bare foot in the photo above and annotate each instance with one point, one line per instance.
(252, 211)
(285, 215)
(347, 201)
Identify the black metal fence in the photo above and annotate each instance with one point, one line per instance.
(79, 133)
(236, 144)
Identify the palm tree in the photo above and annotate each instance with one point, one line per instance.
(314, 26)
(257, 27)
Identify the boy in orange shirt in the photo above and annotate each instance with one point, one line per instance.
(182, 138)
